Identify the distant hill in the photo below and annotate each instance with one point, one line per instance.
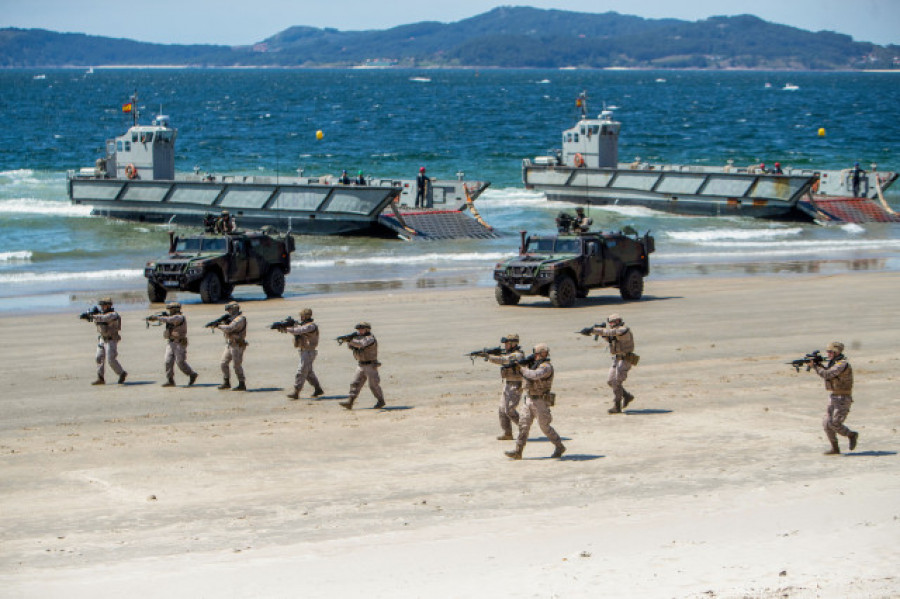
(503, 37)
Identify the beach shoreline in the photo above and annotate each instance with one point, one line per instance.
(712, 485)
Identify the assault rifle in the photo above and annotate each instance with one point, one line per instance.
(346, 337)
(529, 361)
(808, 360)
(89, 315)
(154, 318)
(484, 353)
(282, 325)
(224, 319)
(587, 331)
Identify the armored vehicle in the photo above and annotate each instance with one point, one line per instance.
(212, 265)
(566, 266)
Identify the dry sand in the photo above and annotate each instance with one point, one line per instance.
(713, 485)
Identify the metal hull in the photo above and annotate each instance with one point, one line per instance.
(287, 204)
(687, 190)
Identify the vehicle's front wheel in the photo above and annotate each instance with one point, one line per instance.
(562, 292)
(211, 288)
(506, 296)
(273, 284)
(156, 293)
(632, 287)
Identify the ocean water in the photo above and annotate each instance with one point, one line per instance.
(390, 122)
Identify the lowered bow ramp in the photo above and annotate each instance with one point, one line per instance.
(437, 224)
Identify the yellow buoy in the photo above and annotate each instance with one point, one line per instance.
(320, 135)
(821, 131)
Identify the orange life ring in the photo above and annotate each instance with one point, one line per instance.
(131, 171)
(579, 160)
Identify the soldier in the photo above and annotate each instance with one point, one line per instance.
(621, 347)
(176, 343)
(306, 340)
(225, 224)
(235, 342)
(109, 323)
(538, 399)
(365, 349)
(581, 224)
(838, 377)
(512, 383)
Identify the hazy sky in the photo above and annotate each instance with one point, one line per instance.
(241, 22)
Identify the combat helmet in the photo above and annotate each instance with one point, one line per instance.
(614, 318)
(233, 307)
(173, 307)
(305, 313)
(836, 346)
(363, 325)
(105, 301)
(542, 347)
(511, 338)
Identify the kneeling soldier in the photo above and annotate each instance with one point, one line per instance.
(175, 335)
(365, 349)
(538, 399)
(306, 340)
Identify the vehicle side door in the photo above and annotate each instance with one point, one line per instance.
(612, 263)
(256, 258)
(592, 258)
(237, 257)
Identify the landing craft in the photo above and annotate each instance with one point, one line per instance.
(587, 171)
(136, 181)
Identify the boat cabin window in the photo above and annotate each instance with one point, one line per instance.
(164, 136)
(127, 146)
(576, 137)
(119, 146)
(134, 136)
(147, 137)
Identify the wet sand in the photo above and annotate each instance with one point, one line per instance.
(712, 485)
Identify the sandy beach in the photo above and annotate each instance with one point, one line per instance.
(713, 484)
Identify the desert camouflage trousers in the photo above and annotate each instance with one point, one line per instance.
(366, 372)
(835, 414)
(305, 369)
(233, 353)
(108, 352)
(509, 401)
(536, 408)
(618, 372)
(176, 353)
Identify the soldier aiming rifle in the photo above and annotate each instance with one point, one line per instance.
(344, 338)
(306, 340)
(507, 356)
(810, 359)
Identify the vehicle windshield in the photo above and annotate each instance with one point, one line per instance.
(196, 245)
(552, 245)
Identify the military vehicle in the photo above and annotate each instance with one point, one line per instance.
(566, 266)
(212, 265)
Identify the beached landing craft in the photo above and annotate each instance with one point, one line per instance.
(137, 181)
(587, 170)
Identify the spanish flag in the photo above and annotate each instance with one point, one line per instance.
(127, 107)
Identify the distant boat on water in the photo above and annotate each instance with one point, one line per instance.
(790, 87)
(421, 79)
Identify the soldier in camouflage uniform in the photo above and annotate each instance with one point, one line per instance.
(306, 340)
(109, 323)
(838, 377)
(365, 349)
(235, 342)
(538, 399)
(512, 384)
(621, 347)
(175, 335)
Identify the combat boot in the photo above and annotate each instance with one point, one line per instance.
(853, 436)
(193, 379)
(380, 404)
(628, 399)
(170, 382)
(241, 386)
(515, 454)
(835, 449)
(318, 392)
(346, 404)
(122, 378)
(99, 381)
(560, 449)
(226, 384)
(505, 437)
(295, 394)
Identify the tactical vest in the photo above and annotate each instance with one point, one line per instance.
(369, 353)
(176, 328)
(622, 343)
(309, 339)
(109, 329)
(237, 334)
(842, 384)
(539, 388)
